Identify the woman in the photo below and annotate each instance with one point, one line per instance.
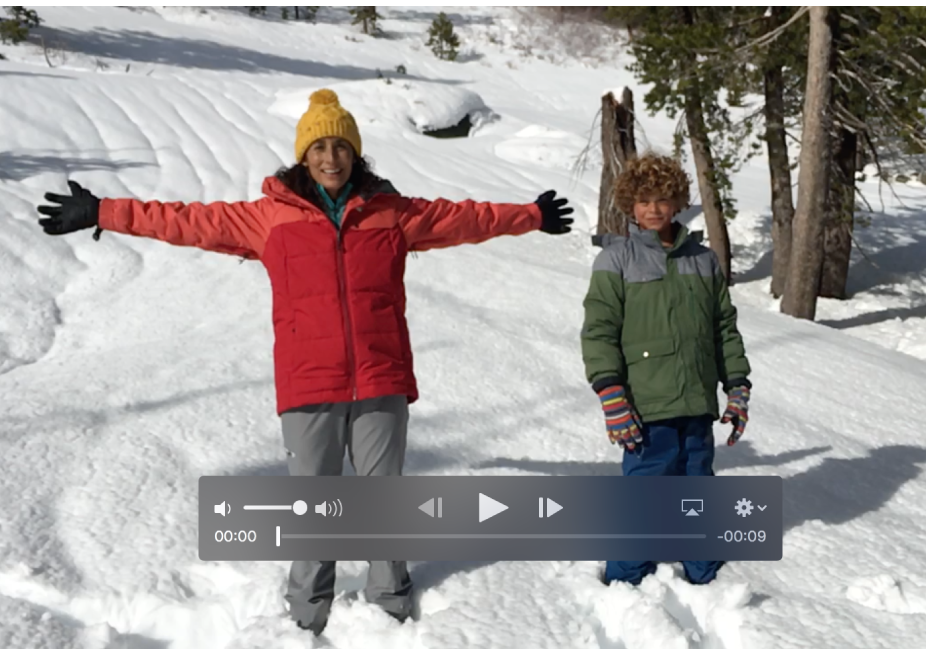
(333, 238)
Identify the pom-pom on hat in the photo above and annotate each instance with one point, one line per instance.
(325, 118)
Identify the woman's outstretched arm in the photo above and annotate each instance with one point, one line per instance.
(442, 223)
(239, 228)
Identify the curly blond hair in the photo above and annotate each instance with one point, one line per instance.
(651, 175)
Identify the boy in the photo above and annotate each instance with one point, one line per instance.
(659, 335)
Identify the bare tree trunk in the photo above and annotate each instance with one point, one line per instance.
(840, 217)
(779, 166)
(704, 167)
(711, 204)
(802, 286)
(618, 145)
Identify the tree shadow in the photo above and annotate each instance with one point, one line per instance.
(136, 641)
(17, 166)
(890, 265)
(11, 426)
(741, 456)
(469, 56)
(19, 73)
(146, 47)
(757, 250)
(877, 317)
(762, 269)
(837, 491)
(417, 460)
(554, 467)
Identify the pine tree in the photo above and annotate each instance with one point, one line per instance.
(367, 18)
(306, 13)
(878, 103)
(676, 52)
(878, 99)
(771, 75)
(800, 298)
(15, 29)
(257, 11)
(441, 38)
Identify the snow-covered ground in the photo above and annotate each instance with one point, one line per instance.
(129, 368)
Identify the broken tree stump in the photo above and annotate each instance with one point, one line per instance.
(618, 145)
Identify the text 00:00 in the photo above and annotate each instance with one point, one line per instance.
(241, 536)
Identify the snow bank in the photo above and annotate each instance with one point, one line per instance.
(396, 103)
(542, 146)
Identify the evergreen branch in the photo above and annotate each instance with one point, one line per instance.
(770, 37)
(889, 115)
(848, 120)
(749, 118)
(882, 177)
(861, 195)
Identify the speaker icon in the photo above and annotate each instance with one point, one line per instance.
(330, 508)
(220, 509)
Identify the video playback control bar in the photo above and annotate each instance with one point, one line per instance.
(262, 518)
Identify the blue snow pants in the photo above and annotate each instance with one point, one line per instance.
(672, 447)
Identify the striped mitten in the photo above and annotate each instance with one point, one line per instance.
(624, 426)
(737, 412)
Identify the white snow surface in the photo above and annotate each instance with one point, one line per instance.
(128, 368)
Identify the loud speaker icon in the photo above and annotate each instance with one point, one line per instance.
(330, 508)
(220, 509)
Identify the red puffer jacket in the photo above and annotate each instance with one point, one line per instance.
(338, 296)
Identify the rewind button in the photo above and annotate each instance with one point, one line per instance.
(428, 507)
(552, 507)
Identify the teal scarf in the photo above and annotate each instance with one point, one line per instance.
(334, 209)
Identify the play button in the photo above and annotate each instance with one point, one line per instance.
(489, 507)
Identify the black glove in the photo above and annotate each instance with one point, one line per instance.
(78, 211)
(553, 213)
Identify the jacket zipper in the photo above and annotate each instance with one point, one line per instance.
(345, 309)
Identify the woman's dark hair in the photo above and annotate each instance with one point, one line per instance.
(298, 180)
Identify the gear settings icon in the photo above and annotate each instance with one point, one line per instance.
(743, 507)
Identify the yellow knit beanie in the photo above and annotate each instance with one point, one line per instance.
(325, 118)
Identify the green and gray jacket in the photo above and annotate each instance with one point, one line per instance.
(659, 321)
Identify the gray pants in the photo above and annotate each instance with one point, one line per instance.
(373, 432)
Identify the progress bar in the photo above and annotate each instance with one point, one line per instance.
(493, 536)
